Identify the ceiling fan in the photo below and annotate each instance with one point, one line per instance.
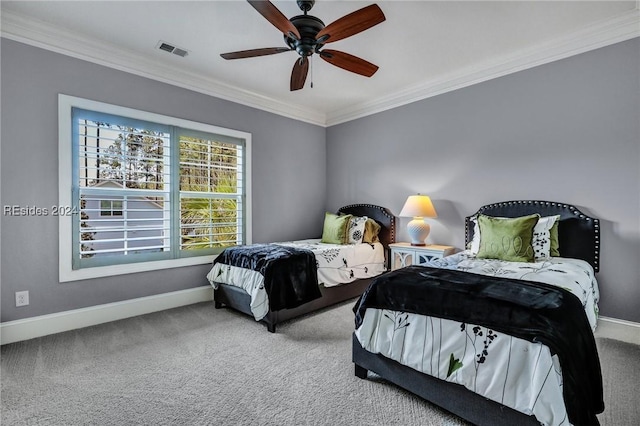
(307, 35)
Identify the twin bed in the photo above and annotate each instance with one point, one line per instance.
(342, 276)
(497, 342)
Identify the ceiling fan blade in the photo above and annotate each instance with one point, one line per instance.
(254, 52)
(299, 73)
(349, 62)
(273, 15)
(351, 24)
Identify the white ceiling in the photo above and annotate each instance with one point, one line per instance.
(423, 48)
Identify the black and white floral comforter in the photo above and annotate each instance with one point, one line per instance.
(512, 371)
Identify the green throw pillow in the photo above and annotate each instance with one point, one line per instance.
(553, 236)
(335, 228)
(507, 238)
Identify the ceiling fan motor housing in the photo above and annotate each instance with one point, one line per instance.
(305, 5)
(308, 26)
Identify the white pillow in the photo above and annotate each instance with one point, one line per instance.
(355, 231)
(541, 241)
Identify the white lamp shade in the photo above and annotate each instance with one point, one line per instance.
(418, 207)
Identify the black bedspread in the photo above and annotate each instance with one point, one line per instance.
(290, 274)
(530, 310)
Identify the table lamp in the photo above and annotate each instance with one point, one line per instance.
(418, 207)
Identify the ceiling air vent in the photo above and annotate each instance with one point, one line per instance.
(172, 49)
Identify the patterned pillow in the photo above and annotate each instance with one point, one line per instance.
(355, 232)
(555, 244)
(542, 237)
(474, 244)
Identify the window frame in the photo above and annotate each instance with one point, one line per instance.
(66, 178)
(110, 211)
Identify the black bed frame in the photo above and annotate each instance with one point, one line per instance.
(579, 237)
(238, 299)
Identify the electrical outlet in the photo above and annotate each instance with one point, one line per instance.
(22, 298)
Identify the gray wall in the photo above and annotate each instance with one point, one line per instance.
(566, 131)
(289, 171)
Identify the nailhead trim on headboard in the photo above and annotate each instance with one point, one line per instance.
(557, 208)
(380, 214)
(383, 210)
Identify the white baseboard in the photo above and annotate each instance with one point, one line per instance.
(29, 328)
(617, 329)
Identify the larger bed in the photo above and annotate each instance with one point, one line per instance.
(490, 372)
(355, 278)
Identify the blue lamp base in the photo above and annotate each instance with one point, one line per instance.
(418, 231)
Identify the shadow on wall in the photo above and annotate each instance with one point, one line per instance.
(448, 227)
(619, 254)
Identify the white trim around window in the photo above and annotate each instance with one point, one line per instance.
(65, 183)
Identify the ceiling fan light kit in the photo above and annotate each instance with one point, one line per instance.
(305, 34)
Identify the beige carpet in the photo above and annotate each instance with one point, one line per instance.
(198, 366)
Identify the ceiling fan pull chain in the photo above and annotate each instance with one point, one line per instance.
(311, 65)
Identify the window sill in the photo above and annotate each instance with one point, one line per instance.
(68, 274)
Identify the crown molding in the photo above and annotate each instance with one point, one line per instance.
(40, 34)
(37, 33)
(615, 30)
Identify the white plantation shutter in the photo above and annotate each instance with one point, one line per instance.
(211, 191)
(148, 191)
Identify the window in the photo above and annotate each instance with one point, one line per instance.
(151, 191)
(110, 208)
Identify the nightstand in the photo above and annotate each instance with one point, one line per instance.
(404, 254)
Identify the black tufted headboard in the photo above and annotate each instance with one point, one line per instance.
(383, 216)
(578, 234)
